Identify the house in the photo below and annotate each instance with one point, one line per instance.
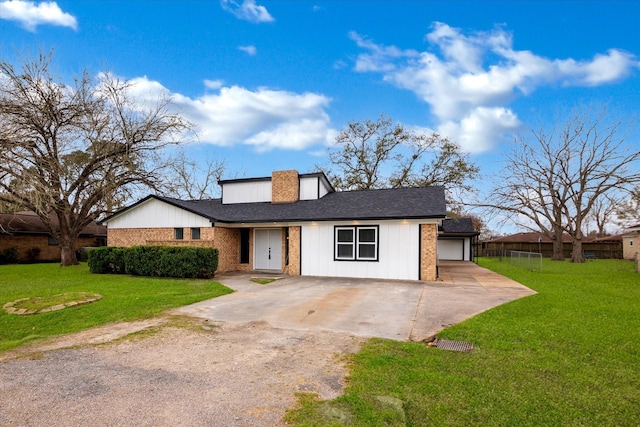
(456, 239)
(29, 236)
(631, 242)
(297, 224)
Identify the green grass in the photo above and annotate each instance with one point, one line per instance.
(568, 356)
(125, 298)
(262, 281)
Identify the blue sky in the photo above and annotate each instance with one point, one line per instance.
(269, 83)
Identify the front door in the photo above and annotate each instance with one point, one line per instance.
(268, 249)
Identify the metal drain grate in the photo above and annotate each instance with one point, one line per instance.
(453, 345)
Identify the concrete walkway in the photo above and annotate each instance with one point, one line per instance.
(401, 310)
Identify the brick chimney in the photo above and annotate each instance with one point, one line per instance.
(285, 186)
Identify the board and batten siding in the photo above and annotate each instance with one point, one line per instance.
(157, 214)
(312, 188)
(246, 192)
(398, 256)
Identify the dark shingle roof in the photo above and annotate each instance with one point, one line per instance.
(458, 226)
(399, 203)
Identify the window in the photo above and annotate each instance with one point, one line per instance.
(195, 234)
(52, 241)
(356, 243)
(178, 233)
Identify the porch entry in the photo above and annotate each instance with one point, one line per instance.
(268, 249)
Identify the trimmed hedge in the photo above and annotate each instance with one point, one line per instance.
(156, 261)
(107, 260)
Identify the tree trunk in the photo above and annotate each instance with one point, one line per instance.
(68, 251)
(558, 247)
(576, 254)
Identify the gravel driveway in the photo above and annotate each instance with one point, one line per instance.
(232, 375)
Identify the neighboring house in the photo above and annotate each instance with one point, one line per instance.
(29, 236)
(299, 225)
(456, 239)
(631, 242)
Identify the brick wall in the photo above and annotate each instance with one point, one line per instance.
(24, 242)
(293, 269)
(227, 240)
(428, 254)
(125, 237)
(285, 186)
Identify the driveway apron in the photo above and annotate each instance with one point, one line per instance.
(401, 310)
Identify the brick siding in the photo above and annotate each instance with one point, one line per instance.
(428, 254)
(285, 186)
(293, 269)
(226, 240)
(23, 243)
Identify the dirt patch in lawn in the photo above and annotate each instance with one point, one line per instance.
(195, 374)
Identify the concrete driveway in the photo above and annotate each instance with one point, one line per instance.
(401, 310)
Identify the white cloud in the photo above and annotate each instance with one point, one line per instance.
(30, 14)
(213, 84)
(477, 132)
(251, 50)
(468, 79)
(248, 10)
(264, 118)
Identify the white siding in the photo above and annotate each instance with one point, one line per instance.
(398, 244)
(309, 188)
(157, 214)
(246, 192)
(323, 189)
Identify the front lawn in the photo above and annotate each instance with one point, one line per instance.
(568, 356)
(125, 298)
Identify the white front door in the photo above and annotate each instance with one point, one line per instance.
(268, 249)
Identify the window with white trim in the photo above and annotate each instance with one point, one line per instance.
(356, 243)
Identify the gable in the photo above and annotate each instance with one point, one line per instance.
(155, 213)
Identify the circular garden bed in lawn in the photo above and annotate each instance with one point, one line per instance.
(35, 305)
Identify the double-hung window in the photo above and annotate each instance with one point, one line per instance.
(356, 243)
(195, 233)
(178, 233)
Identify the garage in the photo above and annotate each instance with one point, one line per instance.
(451, 249)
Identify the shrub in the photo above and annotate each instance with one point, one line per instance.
(156, 261)
(171, 261)
(32, 255)
(9, 256)
(107, 260)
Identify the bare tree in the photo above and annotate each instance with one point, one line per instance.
(628, 211)
(529, 188)
(383, 154)
(604, 208)
(555, 179)
(70, 153)
(187, 178)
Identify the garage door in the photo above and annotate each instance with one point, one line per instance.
(451, 250)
